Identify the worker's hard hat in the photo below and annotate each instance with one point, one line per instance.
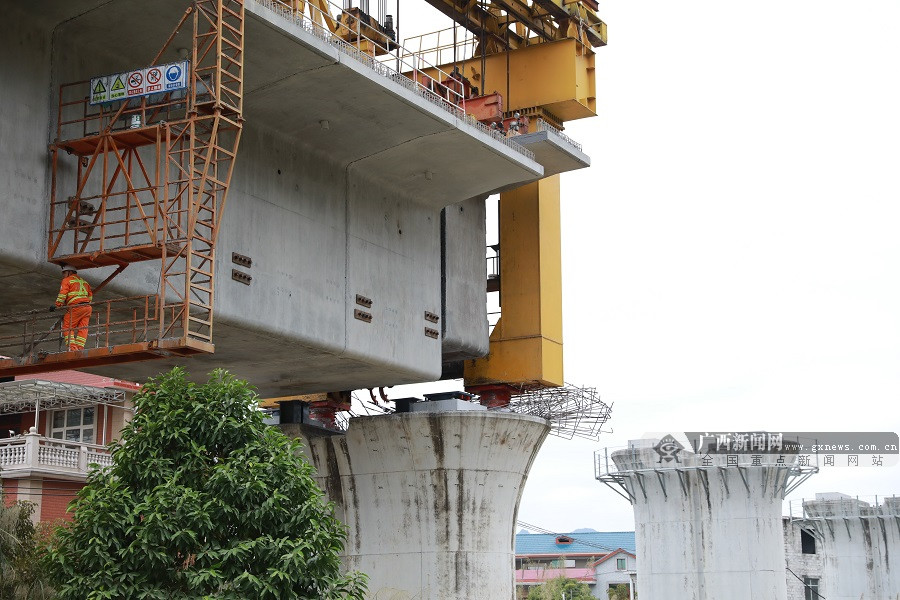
(66, 267)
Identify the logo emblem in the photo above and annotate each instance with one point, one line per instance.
(668, 449)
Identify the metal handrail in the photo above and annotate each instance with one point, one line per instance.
(493, 266)
(604, 465)
(115, 321)
(93, 119)
(841, 508)
(543, 125)
(461, 49)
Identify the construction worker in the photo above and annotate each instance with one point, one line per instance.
(75, 294)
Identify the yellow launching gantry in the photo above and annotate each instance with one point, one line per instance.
(353, 25)
(533, 62)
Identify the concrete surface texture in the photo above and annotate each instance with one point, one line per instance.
(705, 531)
(325, 212)
(860, 544)
(430, 499)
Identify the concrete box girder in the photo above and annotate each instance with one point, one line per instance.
(325, 213)
(396, 134)
(294, 80)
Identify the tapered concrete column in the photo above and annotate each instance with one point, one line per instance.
(430, 499)
(860, 542)
(706, 528)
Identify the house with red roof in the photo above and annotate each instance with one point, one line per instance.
(54, 427)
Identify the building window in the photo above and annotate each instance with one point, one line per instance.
(562, 563)
(73, 425)
(621, 564)
(807, 542)
(562, 539)
(811, 588)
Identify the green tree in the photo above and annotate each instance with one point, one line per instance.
(21, 572)
(619, 592)
(203, 501)
(559, 588)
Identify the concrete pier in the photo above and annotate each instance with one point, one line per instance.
(705, 529)
(430, 499)
(860, 544)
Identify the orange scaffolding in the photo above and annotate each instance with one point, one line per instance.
(144, 179)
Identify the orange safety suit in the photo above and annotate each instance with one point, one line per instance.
(75, 293)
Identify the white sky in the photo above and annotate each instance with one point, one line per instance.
(731, 259)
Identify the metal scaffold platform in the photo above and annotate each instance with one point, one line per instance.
(141, 172)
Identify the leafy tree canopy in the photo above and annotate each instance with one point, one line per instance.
(203, 501)
(21, 575)
(559, 588)
(619, 592)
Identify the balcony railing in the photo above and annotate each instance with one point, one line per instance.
(33, 453)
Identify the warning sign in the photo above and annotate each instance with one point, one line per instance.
(133, 84)
(99, 90)
(116, 87)
(176, 75)
(153, 77)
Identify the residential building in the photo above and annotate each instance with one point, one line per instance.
(593, 558)
(615, 569)
(53, 427)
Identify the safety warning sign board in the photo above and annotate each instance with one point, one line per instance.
(176, 75)
(99, 90)
(152, 79)
(142, 82)
(134, 83)
(116, 87)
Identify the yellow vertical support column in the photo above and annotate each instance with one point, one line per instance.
(526, 344)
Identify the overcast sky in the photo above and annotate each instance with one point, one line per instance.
(732, 257)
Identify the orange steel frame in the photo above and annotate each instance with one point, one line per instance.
(155, 190)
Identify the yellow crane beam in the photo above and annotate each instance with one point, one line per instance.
(515, 24)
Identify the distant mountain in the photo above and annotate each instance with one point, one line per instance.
(522, 531)
(585, 530)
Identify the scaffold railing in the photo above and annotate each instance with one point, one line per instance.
(119, 330)
(444, 46)
(632, 458)
(841, 506)
(120, 320)
(616, 466)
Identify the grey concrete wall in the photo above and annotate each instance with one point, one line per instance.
(430, 500)
(464, 277)
(701, 534)
(24, 129)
